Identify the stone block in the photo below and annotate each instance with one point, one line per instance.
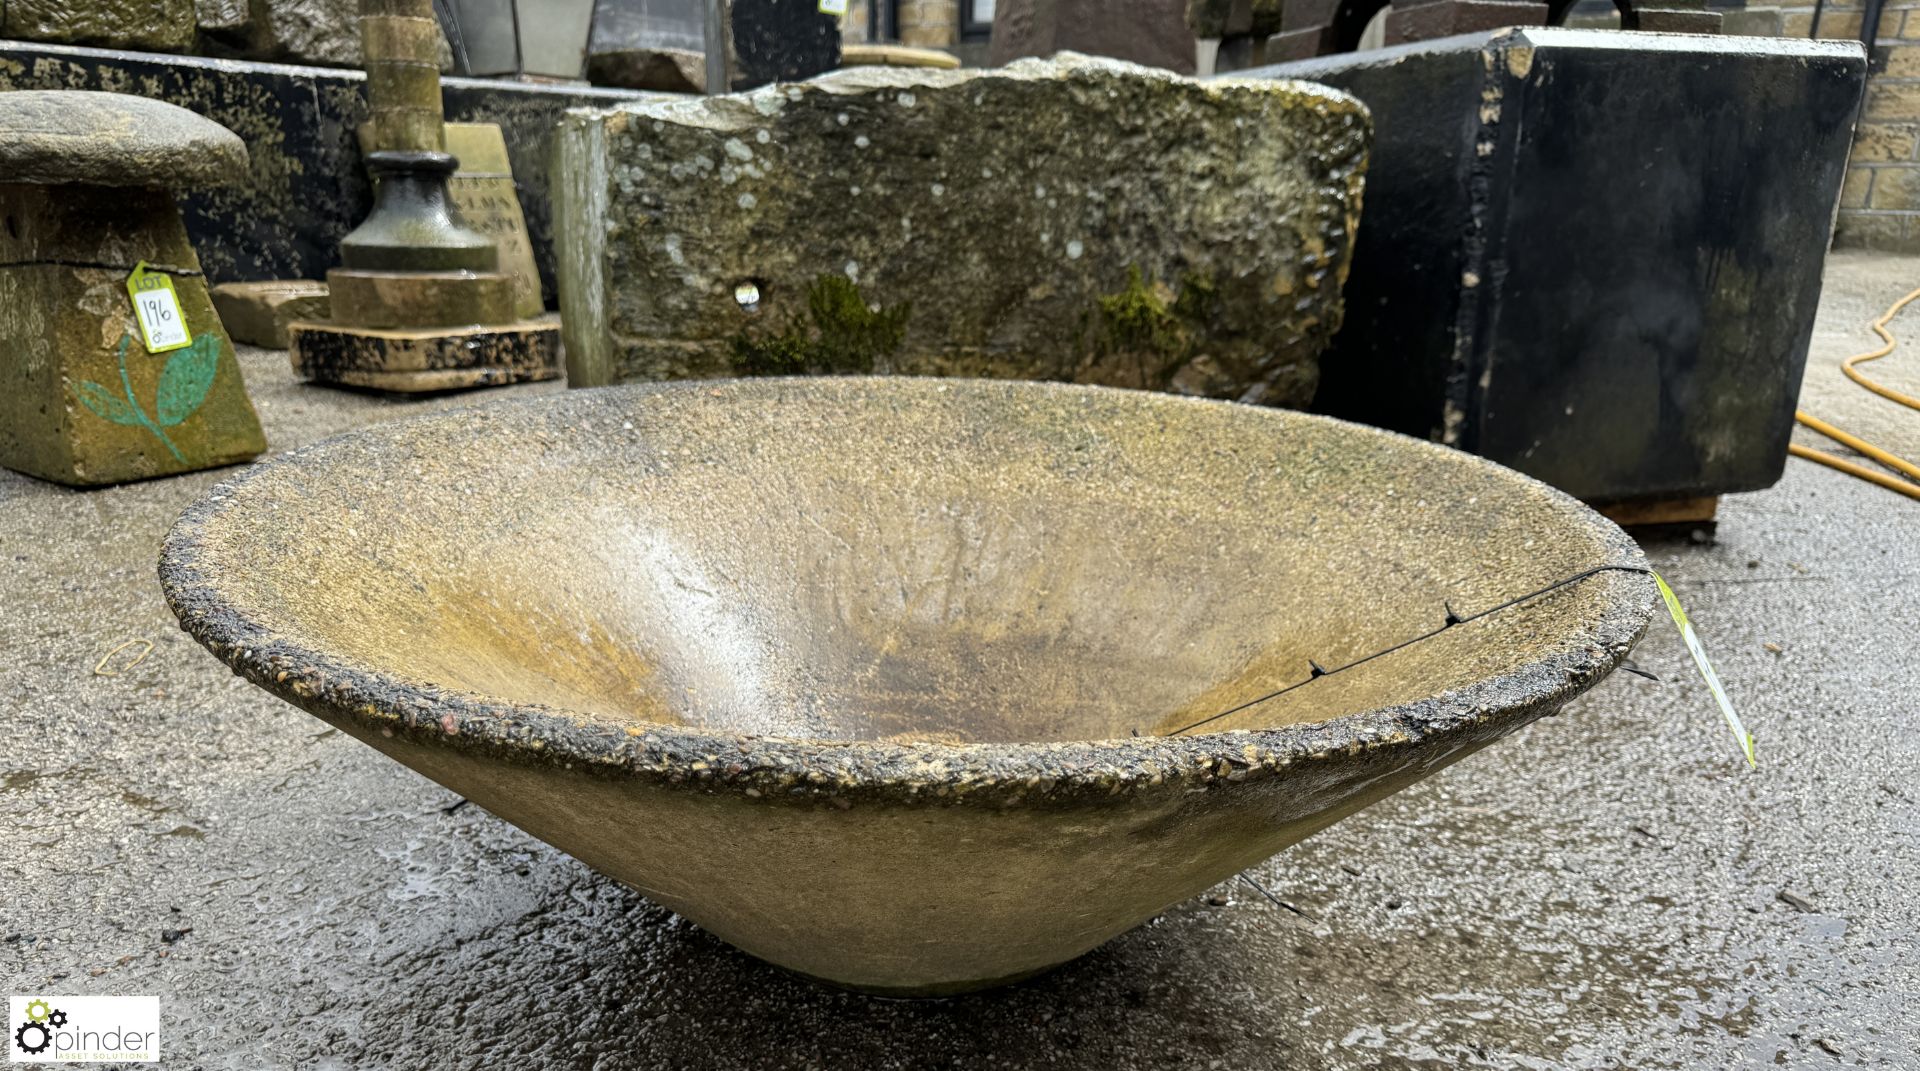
(1751, 22)
(1508, 296)
(426, 359)
(1080, 220)
(82, 402)
(305, 187)
(419, 298)
(258, 313)
(159, 25)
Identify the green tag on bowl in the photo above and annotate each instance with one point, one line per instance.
(1706, 668)
(156, 307)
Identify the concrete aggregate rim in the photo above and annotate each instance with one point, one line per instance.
(369, 702)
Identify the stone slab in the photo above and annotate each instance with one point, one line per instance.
(305, 187)
(484, 193)
(258, 313)
(428, 359)
(1083, 220)
(1593, 256)
(81, 400)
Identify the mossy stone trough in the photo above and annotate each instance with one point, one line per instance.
(904, 683)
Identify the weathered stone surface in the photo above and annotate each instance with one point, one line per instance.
(1153, 32)
(1075, 220)
(113, 139)
(305, 188)
(670, 70)
(419, 298)
(258, 313)
(483, 193)
(322, 32)
(159, 25)
(911, 686)
(218, 16)
(81, 400)
(430, 359)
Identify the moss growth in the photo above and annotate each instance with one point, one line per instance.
(1138, 318)
(843, 336)
(1154, 326)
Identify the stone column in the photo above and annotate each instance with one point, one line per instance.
(401, 42)
(419, 302)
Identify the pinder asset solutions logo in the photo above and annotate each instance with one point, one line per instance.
(49, 1030)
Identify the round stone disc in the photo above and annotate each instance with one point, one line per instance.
(54, 137)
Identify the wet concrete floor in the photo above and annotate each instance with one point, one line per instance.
(1610, 888)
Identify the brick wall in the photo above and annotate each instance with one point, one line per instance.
(1880, 202)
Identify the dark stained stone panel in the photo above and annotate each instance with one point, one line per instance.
(307, 187)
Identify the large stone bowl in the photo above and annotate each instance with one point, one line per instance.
(889, 681)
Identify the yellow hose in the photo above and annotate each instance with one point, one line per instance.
(1911, 490)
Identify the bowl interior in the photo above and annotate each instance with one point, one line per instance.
(909, 560)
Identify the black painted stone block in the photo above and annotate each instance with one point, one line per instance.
(307, 187)
(1590, 255)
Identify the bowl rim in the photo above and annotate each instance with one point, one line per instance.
(369, 703)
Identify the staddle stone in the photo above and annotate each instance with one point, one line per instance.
(1074, 219)
(83, 206)
(54, 137)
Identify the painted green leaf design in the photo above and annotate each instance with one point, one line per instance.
(186, 379)
(106, 404)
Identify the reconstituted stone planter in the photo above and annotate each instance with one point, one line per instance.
(884, 679)
(1075, 219)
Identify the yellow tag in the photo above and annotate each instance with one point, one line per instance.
(156, 307)
(1706, 668)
